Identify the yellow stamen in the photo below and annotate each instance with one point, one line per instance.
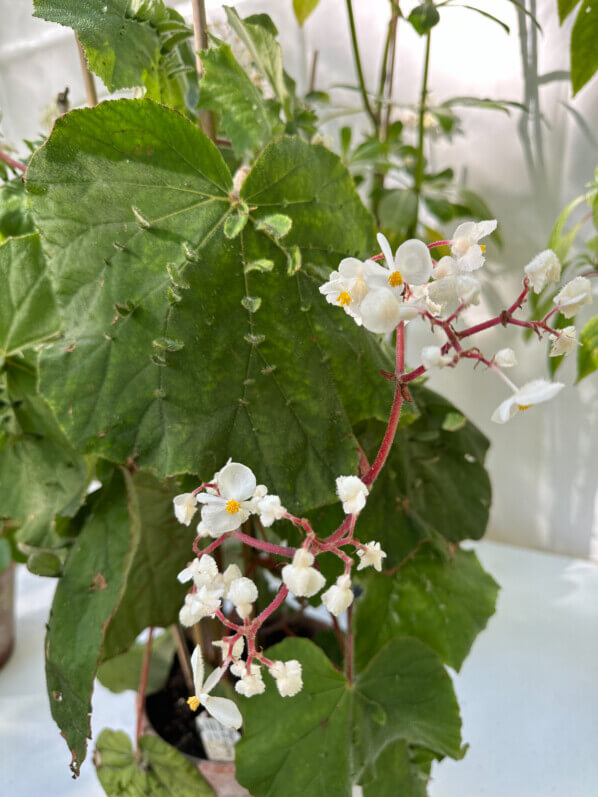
(525, 406)
(193, 703)
(344, 298)
(232, 507)
(395, 279)
(483, 247)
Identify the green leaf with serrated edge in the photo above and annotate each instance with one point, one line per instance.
(278, 424)
(398, 772)
(587, 354)
(234, 224)
(28, 311)
(584, 53)
(15, 217)
(246, 117)
(153, 595)
(444, 601)
(85, 599)
(41, 475)
(265, 51)
(157, 769)
(334, 729)
(129, 44)
(428, 471)
(277, 225)
(124, 671)
(304, 8)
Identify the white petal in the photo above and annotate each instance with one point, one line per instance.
(223, 710)
(471, 260)
(386, 251)
(212, 679)
(198, 669)
(505, 410)
(380, 311)
(219, 521)
(414, 262)
(237, 481)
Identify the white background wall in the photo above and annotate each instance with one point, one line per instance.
(543, 464)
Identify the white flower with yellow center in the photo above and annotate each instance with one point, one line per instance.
(288, 677)
(352, 492)
(412, 264)
(221, 708)
(544, 268)
(339, 596)
(251, 682)
(565, 342)
(301, 579)
(227, 511)
(347, 287)
(185, 506)
(371, 556)
(534, 392)
(202, 571)
(465, 248)
(270, 509)
(505, 358)
(573, 296)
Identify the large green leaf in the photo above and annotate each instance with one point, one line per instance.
(584, 52)
(318, 742)
(248, 120)
(85, 600)
(152, 596)
(587, 354)
(15, 218)
(131, 200)
(129, 44)
(434, 485)
(156, 769)
(445, 602)
(40, 473)
(399, 771)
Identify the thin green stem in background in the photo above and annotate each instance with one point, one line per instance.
(364, 93)
(419, 165)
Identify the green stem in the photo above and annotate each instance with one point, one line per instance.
(364, 93)
(419, 166)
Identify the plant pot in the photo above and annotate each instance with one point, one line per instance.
(7, 613)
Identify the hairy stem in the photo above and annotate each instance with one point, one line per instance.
(200, 38)
(261, 545)
(88, 81)
(14, 164)
(147, 657)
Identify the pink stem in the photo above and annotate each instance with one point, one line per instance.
(12, 162)
(211, 547)
(281, 550)
(278, 600)
(439, 243)
(236, 628)
(521, 298)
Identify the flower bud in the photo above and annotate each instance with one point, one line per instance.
(338, 597)
(288, 677)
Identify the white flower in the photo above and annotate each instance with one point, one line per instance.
(339, 596)
(251, 682)
(224, 645)
(352, 492)
(380, 311)
(432, 357)
(412, 264)
(242, 593)
(455, 288)
(300, 577)
(573, 296)
(203, 571)
(372, 555)
(288, 677)
(270, 509)
(505, 358)
(221, 708)
(565, 342)
(203, 530)
(465, 247)
(533, 392)
(347, 287)
(231, 573)
(227, 511)
(544, 268)
(261, 491)
(203, 603)
(185, 507)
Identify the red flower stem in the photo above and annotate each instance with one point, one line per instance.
(439, 243)
(211, 547)
(238, 629)
(395, 413)
(521, 298)
(261, 545)
(12, 162)
(147, 657)
(278, 600)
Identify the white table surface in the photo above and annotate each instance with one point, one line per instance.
(528, 691)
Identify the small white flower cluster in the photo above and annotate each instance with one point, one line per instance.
(380, 296)
(229, 503)
(210, 587)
